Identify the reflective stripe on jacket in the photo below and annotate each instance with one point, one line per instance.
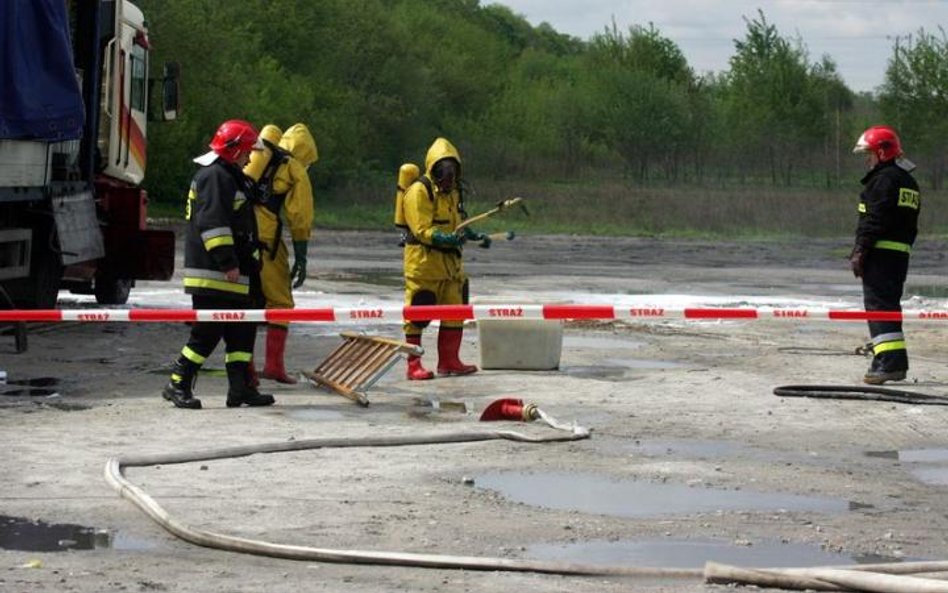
(221, 233)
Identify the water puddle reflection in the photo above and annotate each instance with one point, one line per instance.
(617, 368)
(590, 493)
(929, 466)
(602, 373)
(600, 343)
(17, 533)
(35, 387)
(933, 476)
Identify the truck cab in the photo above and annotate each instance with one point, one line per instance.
(73, 153)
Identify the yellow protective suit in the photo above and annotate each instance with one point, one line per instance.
(291, 181)
(432, 275)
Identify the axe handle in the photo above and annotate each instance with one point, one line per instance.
(484, 215)
(477, 218)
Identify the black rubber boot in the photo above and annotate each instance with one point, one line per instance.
(880, 377)
(239, 393)
(888, 366)
(180, 389)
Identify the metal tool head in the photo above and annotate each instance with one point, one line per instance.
(510, 203)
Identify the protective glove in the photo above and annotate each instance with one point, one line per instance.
(857, 259)
(298, 273)
(481, 239)
(450, 240)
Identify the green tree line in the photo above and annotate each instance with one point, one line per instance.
(377, 80)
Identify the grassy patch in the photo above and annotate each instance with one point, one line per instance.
(616, 209)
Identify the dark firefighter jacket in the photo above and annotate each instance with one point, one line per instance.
(221, 233)
(888, 209)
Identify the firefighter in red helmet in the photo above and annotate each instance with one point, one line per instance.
(888, 223)
(221, 267)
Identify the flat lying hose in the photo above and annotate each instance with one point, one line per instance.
(115, 477)
(867, 392)
(812, 351)
(885, 579)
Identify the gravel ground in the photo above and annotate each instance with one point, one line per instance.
(691, 455)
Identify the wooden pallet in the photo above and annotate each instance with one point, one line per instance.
(358, 363)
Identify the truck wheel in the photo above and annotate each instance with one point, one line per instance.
(46, 277)
(20, 339)
(112, 291)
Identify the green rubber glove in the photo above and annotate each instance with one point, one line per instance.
(442, 239)
(481, 239)
(298, 273)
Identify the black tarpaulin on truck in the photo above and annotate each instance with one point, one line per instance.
(39, 93)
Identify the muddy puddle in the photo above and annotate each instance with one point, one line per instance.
(455, 406)
(617, 369)
(688, 553)
(17, 533)
(595, 494)
(929, 466)
(600, 343)
(933, 476)
(35, 387)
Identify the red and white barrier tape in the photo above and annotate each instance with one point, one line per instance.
(511, 312)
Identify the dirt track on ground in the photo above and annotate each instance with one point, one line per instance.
(691, 456)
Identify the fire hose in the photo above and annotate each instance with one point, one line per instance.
(114, 474)
(861, 392)
(900, 577)
(858, 392)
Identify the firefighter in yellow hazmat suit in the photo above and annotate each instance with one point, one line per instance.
(434, 273)
(285, 193)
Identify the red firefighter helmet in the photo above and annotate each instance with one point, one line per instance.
(233, 138)
(880, 138)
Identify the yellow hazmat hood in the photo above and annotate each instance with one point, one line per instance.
(441, 148)
(300, 143)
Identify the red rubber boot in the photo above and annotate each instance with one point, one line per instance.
(273, 369)
(449, 345)
(416, 372)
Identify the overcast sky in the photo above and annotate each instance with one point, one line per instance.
(857, 34)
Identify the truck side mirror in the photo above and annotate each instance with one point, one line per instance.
(170, 91)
